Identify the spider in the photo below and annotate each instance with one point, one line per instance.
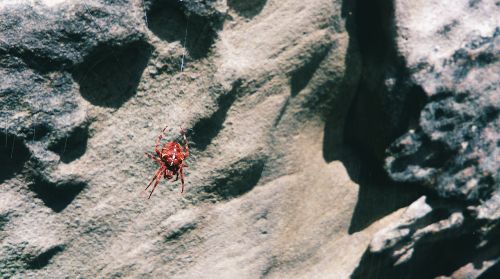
(171, 159)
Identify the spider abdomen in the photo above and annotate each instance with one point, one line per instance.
(172, 154)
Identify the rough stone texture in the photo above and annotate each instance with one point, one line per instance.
(289, 107)
(85, 90)
(452, 55)
(454, 149)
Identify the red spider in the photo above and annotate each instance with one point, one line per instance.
(171, 159)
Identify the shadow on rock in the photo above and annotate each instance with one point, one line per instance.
(431, 257)
(73, 146)
(207, 128)
(58, 195)
(109, 75)
(172, 21)
(42, 260)
(236, 180)
(358, 132)
(301, 77)
(247, 8)
(13, 155)
(378, 196)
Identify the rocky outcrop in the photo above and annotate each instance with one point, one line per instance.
(452, 56)
(291, 109)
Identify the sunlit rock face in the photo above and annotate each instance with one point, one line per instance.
(315, 129)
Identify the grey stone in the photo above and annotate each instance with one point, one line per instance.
(85, 89)
(292, 110)
(452, 56)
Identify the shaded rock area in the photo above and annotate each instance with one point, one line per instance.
(328, 139)
(453, 150)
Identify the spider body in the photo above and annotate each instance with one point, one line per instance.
(171, 160)
(171, 153)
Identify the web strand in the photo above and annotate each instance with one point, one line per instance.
(184, 47)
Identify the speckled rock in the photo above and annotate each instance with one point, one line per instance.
(451, 54)
(292, 109)
(87, 87)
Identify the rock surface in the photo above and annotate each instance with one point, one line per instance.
(452, 56)
(289, 108)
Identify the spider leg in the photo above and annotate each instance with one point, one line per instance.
(154, 177)
(156, 183)
(151, 156)
(162, 134)
(186, 144)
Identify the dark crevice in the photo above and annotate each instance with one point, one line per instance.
(378, 196)
(168, 19)
(336, 117)
(386, 102)
(385, 105)
(13, 155)
(247, 8)
(109, 75)
(44, 258)
(413, 106)
(374, 29)
(73, 145)
(206, 129)
(58, 195)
